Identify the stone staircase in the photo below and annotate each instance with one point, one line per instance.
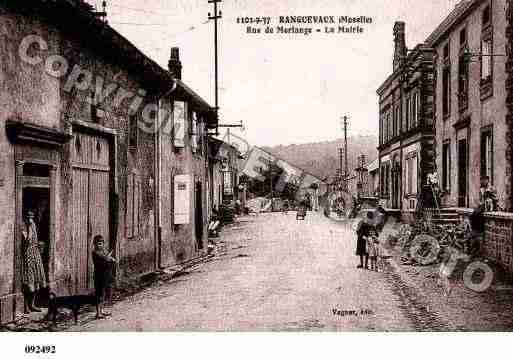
(444, 216)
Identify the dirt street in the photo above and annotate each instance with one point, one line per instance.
(272, 272)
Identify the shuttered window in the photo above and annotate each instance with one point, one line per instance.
(133, 206)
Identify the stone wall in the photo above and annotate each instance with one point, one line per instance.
(498, 239)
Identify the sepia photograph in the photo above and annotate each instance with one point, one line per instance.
(236, 166)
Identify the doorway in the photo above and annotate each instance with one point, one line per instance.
(198, 211)
(396, 183)
(35, 196)
(91, 203)
(462, 173)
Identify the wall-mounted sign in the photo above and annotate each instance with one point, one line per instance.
(182, 207)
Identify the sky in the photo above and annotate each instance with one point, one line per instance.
(286, 89)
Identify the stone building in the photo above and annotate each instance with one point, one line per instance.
(473, 120)
(474, 114)
(183, 203)
(406, 125)
(81, 146)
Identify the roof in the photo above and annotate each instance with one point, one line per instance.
(410, 58)
(455, 17)
(290, 164)
(76, 17)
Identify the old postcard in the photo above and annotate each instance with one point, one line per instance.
(255, 166)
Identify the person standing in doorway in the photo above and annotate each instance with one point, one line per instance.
(34, 278)
(103, 276)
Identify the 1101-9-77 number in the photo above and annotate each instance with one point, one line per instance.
(254, 20)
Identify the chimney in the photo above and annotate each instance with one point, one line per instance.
(400, 43)
(175, 65)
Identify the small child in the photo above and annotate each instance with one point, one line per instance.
(373, 249)
(103, 277)
(444, 273)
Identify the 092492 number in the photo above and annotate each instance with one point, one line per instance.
(40, 349)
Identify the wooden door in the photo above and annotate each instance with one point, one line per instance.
(91, 212)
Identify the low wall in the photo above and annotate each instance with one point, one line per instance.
(498, 241)
(498, 237)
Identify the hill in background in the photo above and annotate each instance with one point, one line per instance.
(321, 159)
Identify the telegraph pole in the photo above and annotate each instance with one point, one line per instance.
(346, 170)
(215, 16)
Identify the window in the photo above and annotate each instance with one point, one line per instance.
(397, 120)
(486, 17)
(407, 114)
(463, 37)
(390, 126)
(446, 166)
(194, 132)
(179, 123)
(486, 59)
(411, 174)
(462, 82)
(446, 91)
(385, 128)
(385, 179)
(414, 111)
(133, 133)
(133, 206)
(446, 52)
(381, 130)
(487, 154)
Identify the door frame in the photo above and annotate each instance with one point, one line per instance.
(18, 255)
(466, 194)
(111, 135)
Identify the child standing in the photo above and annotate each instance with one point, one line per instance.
(103, 278)
(373, 249)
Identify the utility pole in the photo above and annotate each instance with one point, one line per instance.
(346, 170)
(216, 16)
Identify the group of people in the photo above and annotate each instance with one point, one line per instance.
(367, 243)
(34, 278)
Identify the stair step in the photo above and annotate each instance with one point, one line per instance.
(443, 220)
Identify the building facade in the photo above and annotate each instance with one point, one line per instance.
(80, 147)
(406, 125)
(473, 117)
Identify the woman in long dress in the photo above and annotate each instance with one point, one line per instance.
(34, 277)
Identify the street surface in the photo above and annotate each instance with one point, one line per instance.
(272, 272)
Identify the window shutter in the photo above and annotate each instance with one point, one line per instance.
(179, 121)
(182, 199)
(194, 136)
